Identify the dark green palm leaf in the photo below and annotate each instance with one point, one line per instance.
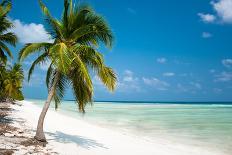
(6, 37)
(9, 38)
(31, 48)
(6, 49)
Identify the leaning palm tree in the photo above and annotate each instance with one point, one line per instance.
(5, 36)
(73, 56)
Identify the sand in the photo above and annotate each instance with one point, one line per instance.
(72, 136)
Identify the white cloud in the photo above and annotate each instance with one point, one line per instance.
(224, 10)
(227, 63)
(223, 77)
(129, 82)
(161, 60)
(168, 74)
(128, 76)
(156, 83)
(207, 18)
(128, 86)
(191, 87)
(30, 33)
(206, 35)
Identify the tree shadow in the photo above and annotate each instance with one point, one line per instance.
(6, 120)
(4, 116)
(79, 140)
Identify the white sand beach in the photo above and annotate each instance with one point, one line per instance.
(71, 136)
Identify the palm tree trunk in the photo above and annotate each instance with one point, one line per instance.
(40, 136)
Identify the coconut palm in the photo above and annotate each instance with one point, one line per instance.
(72, 55)
(13, 82)
(11, 79)
(5, 37)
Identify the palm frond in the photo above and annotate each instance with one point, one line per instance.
(61, 85)
(82, 92)
(89, 56)
(31, 48)
(9, 38)
(3, 57)
(6, 49)
(5, 24)
(61, 57)
(94, 27)
(50, 72)
(108, 77)
(55, 27)
(65, 14)
(79, 14)
(5, 8)
(81, 69)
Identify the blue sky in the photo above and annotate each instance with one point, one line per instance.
(164, 50)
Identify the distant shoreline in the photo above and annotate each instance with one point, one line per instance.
(154, 102)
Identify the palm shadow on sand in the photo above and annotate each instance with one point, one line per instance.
(79, 140)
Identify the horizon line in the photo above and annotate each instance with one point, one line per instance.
(141, 101)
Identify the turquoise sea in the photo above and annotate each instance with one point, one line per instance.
(199, 124)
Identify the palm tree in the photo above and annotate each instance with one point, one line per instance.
(5, 37)
(73, 56)
(11, 79)
(13, 83)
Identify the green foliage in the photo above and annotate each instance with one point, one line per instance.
(5, 37)
(11, 79)
(73, 53)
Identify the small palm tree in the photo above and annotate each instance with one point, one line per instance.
(72, 55)
(13, 83)
(11, 79)
(5, 37)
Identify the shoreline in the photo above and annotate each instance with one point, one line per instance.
(67, 135)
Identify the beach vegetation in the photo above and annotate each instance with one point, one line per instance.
(6, 37)
(11, 76)
(11, 80)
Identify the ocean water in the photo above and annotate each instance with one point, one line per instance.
(207, 125)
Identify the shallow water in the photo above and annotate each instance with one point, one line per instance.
(203, 125)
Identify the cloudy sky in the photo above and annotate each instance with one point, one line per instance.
(164, 50)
